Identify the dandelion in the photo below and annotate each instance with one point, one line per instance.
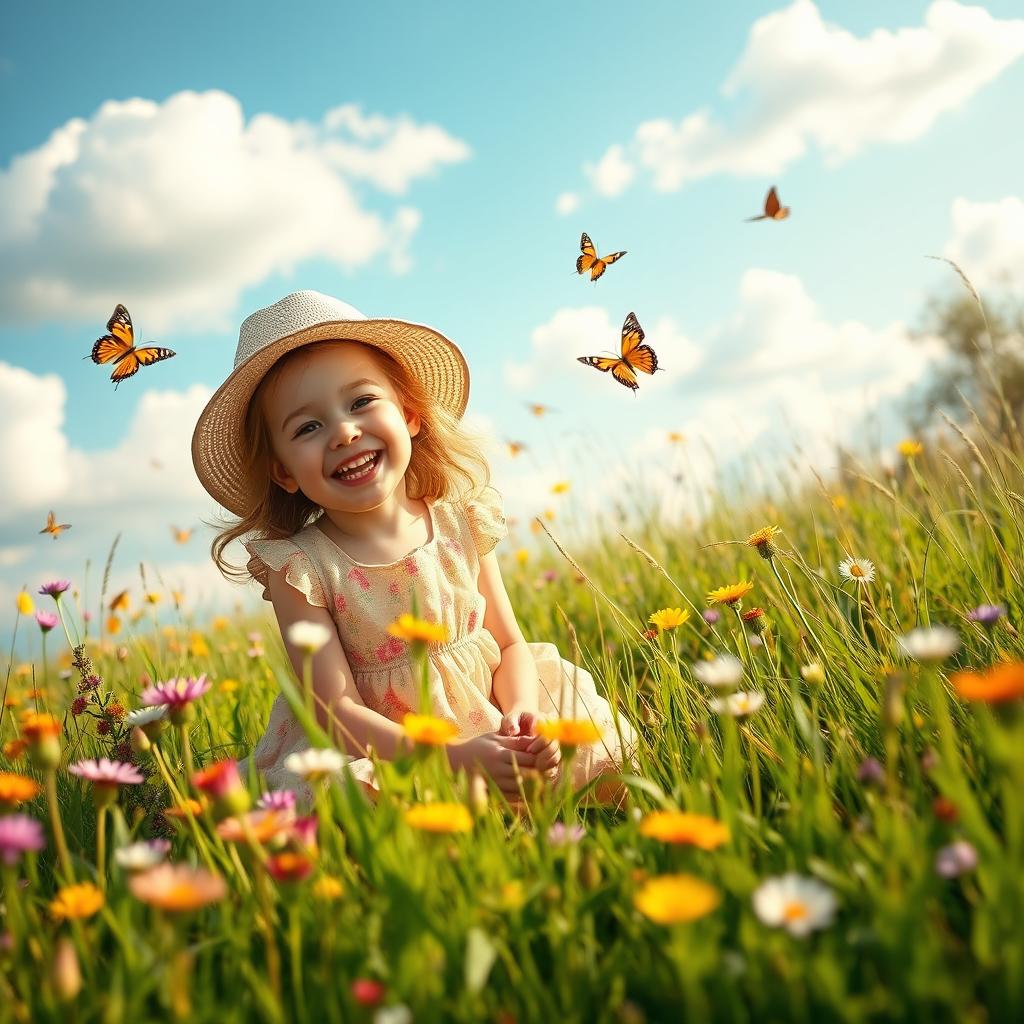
(730, 594)
(76, 902)
(153, 597)
(315, 763)
(738, 705)
(569, 732)
(24, 603)
(763, 541)
(932, 644)
(440, 817)
(308, 637)
(987, 614)
(909, 448)
(684, 829)
(16, 789)
(143, 855)
(669, 618)
(55, 588)
(277, 800)
(859, 570)
(798, 904)
(19, 834)
(998, 684)
(560, 834)
(228, 685)
(522, 556)
(671, 899)
(328, 888)
(721, 673)
(177, 887)
(956, 859)
(428, 730)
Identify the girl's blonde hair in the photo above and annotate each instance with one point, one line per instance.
(446, 462)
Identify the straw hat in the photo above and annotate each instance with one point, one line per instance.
(296, 320)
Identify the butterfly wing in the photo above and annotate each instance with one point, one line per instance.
(771, 203)
(118, 342)
(619, 368)
(622, 372)
(632, 335)
(597, 269)
(136, 357)
(589, 257)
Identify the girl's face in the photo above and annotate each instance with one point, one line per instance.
(331, 405)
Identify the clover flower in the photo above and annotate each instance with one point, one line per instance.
(277, 800)
(987, 614)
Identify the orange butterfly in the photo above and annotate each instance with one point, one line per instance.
(590, 260)
(773, 210)
(181, 536)
(120, 602)
(118, 347)
(538, 409)
(53, 527)
(635, 356)
(515, 447)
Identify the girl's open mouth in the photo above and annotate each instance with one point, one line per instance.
(361, 474)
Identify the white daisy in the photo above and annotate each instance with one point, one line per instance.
(935, 643)
(309, 637)
(723, 672)
(860, 570)
(142, 856)
(739, 704)
(146, 716)
(314, 763)
(798, 904)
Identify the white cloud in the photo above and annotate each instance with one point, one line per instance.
(566, 203)
(803, 82)
(185, 203)
(14, 555)
(988, 242)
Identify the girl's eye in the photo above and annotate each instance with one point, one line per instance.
(363, 398)
(302, 429)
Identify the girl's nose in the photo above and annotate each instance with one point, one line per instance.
(345, 432)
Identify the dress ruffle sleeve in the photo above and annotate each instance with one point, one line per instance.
(285, 554)
(486, 516)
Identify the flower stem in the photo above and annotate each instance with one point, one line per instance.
(55, 823)
(101, 847)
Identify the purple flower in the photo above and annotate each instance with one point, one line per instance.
(561, 834)
(18, 834)
(46, 620)
(277, 800)
(549, 575)
(107, 773)
(956, 859)
(711, 615)
(176, 692)
(55, 588)
(871, 772)
(987, 614)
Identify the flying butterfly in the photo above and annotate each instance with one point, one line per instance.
(773, 209)
(515, 448)
(591, 261)
(53, 527)
(118, 347)
(538, 408)
(635, 356)
(119, 603)
(181, 536)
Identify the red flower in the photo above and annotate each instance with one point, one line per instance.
(368, 992)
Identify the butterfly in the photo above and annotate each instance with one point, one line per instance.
(120, 602)
(538, 409)
(181, 536)
(635, 356)
(118, 347)
(53, 527)
(590, 260)
(772, 208)
(515, 447)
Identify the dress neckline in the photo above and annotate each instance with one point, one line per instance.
(385, 565)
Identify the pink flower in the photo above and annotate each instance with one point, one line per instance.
(560, 834)
(277, 800)
(176, 692)
(304, 830)
(46, 620)
(55, 588)
(107, 773)
(18, 834)
(360, 577)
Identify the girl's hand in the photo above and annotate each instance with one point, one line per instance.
(518, 723)
(524, 723)
(500, 757)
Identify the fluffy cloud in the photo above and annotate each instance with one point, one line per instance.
(183, 204)
(802, 82)
(566, 203)
(988, 242)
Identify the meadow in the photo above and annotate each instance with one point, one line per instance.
(826, 821)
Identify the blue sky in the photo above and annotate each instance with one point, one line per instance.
(462, 229)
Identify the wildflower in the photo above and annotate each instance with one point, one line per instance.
(277, 800)
(549, 575)
(397, 1013)
(739, 704)
(561, 487)
(428, 730)
(183, 810)
(78, 705)
(439, 817)
(76, 902)
(46, 621)
(106, 776)
(933, 644)
(263, 826)
(116, 710)
(228, 685)
(909, 448)
(569, 732)
(113, 625)
(870, 772)
(197, 646)
(150, 720)
(55, 588)
(309, 637)
(987, 614)
(711, 616)
(684, 829)
(798, 904)
(756, 620)
(812, 673)
(407, 627)
(221, 782)
(143, 855)
(177, 887)
(764, 541)
(153, 597)
(669, 618)
(19, 834)
(328, 888)
(730, 594)
(40, 732)
(839, 502)
(560, 834)
(23, 602)
(289, 867)
(956, 859)
(722, 673)
(860, 570)
(945, 810)
(522, 556)
(315, 763)
(367, 992)
(1002, 682)
(178, 694)
(16, 789)
(670, 899)
(65, 972)
(13, 749)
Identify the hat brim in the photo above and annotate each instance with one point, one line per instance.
(219, 437)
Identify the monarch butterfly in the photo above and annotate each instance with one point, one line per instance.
(119, 603)
(118, 347)
(773, 210)
(635, 356)
(53, 527)
(590, 260)
(181, 536)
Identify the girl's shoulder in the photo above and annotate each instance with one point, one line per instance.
(485, 512)
(296, 555)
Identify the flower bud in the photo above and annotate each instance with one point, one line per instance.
(590, 870)
(140, 741)
(65, 972)
(812, 673)
(477, 794)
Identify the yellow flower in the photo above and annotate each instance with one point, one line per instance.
(113, 625)
(440, 817)
(228, 685)
(219, 624)
(669, 618)
(669, 899)
(198, 646)
(569, 732)
(152, 597)
(561, 487)
(731, 593)
(75, 902)
(327, 888)
(839, 502)
(686, 829)
(24, 603)
(15, 789)
(512, 896)
(522, 556)
(675, 437)
(23, 671)
(763, 541)
(909, 448)
(408, 627)
(427, 729)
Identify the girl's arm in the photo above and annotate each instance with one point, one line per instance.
(340, 711)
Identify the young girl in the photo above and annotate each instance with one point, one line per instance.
(336, 440)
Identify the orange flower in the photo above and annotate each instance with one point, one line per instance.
(36, 726)
(569, 732)
(13, 749)
(178, 811)
(1000, 683)
(688, 829)
(75, 902)
(177, 887)
(289, 866)
(15, 789)
(427, 729)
